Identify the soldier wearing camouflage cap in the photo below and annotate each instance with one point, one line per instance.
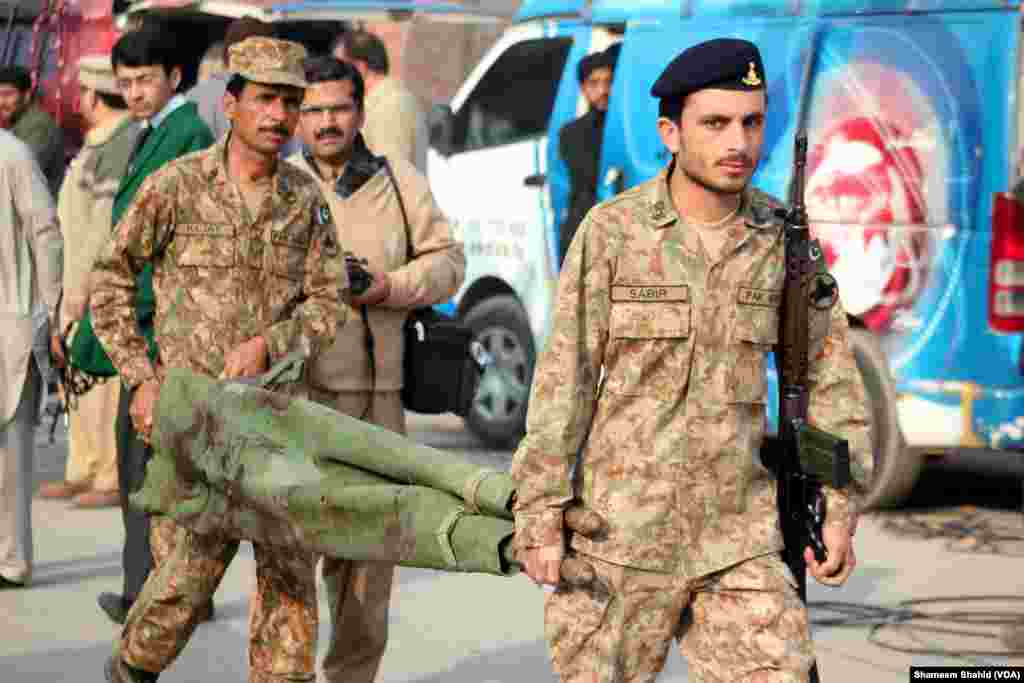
(670, 298)
(247, 269)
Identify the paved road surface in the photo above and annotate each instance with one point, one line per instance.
(453, 628)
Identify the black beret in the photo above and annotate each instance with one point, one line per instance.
(725, 63)
(595, 60)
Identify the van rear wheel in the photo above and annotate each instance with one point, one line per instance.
(498, 413)
(896, 467)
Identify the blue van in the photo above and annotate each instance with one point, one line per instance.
(914, 124)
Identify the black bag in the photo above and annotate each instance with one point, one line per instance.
(439, 371)
(439, 374)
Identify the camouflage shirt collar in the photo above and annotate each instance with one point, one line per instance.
(215, 168)
(757, 209)
(215, 162)
(661, 212)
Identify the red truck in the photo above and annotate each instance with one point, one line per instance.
(48, 37)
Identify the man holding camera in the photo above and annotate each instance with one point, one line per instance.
(404, 256)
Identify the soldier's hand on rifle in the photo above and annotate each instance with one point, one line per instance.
(543, 564)
(142, 408)
(247, 360)
(841, 560)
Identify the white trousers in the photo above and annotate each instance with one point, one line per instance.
(17, 443)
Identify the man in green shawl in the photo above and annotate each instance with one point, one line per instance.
(148, 68)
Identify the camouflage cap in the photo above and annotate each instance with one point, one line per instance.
(97, 73)
(268, 60)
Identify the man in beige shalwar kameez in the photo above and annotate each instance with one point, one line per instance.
(84, 207)
(30, 265)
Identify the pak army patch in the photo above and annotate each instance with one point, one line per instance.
(824, 288)
(824, 291)
(323, 215)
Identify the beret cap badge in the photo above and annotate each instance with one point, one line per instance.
(752, 79)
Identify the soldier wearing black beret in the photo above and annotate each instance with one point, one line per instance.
(579, 143)
(715, 142)
(654, 373)
(720, 64)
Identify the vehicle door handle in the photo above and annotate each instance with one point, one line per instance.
(535, 180)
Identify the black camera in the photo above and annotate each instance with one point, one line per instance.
(359, 279)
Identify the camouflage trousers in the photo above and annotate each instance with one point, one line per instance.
(162, 532)
(359, 593)
(282, 613)
(745, 623)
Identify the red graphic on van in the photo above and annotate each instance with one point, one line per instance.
(866, 194)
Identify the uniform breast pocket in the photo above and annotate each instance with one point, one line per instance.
(288, 259)
(199, 245)
(755, 334)
(651, 348)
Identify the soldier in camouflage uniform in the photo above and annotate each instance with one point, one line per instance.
(247, 268)
(667, 308)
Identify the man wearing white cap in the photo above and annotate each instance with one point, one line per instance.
(84, 208)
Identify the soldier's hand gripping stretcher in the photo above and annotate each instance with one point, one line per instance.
(549, 564)
(249, 359)
(341, 488)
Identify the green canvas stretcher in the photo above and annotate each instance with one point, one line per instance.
(241, 461)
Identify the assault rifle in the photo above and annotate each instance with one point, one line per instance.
(72, 382)
(61, 409)
(802, 457)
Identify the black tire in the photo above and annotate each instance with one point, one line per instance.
(896, 467)
(498, 413)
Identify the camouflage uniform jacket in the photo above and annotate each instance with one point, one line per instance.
(676, 421)
(220, 279)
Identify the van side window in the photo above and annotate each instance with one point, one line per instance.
(514, 99)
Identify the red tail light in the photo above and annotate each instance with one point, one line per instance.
(1006, 269)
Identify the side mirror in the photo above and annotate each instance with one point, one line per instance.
(441, 122)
